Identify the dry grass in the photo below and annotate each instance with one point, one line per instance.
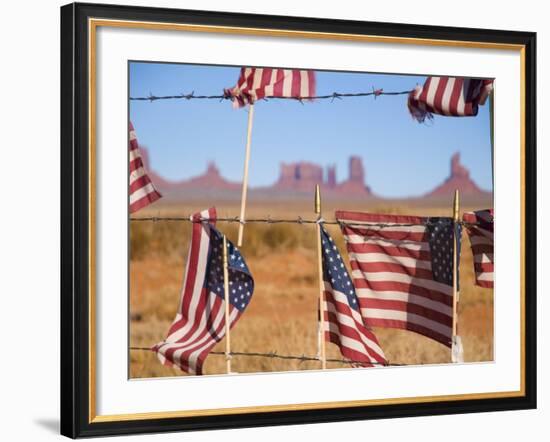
(282, 316)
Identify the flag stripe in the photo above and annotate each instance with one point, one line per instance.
(257, 83)
(449, 96)
(394, 266)
(399, 277)
(343, 323)
(392, 286)
(368, 296)
(336, 302)
(142, 192)
(200, 321)
(353, 321)
(480, 228)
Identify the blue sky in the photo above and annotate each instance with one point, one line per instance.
(401, 157)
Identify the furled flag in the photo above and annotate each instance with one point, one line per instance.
(344, 325)
(480, 228)
(142, 191)
(455, 97)
(257, 83)
(402, 269)
(200, 319)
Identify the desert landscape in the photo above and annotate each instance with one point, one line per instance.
(282, 316)
(282, 257)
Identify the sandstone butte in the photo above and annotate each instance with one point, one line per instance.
(301, 177)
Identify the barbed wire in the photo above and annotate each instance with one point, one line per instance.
(275, 355)
(228, 96)
(298, 220)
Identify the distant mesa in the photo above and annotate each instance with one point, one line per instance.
(303, 176)
(300, 178)
(459, 178)
(211, 179)
(355, 184)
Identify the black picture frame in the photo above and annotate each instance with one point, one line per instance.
(75, 221)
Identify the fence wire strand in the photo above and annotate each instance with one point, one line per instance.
(227, 96)
(275, 355)
(299, 220)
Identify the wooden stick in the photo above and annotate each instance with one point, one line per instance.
(226, 297)
(456, 210)
(323, 354)
(245, 173)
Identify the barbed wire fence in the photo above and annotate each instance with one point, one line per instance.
(298, 220)
(269, 220)
(275, 355)
(227, 95)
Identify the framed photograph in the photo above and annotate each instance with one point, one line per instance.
(273, 220)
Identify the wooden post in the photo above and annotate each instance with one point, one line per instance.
(456, 210)
(323, 354)
(226, 298)
(456, 348)
(245, 173)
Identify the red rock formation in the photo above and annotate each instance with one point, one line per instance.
(352, 188)
(356, 171)
(287, 174)
(458, 179)
(355, 184)
(331, 177)
(293, 177)
(210, 180)
(302, 176)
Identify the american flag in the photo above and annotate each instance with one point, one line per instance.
(200, 319)
(402, 269)
(343, 322)
(480, 228)
(142, 191)
(257, 83)
(456, 97)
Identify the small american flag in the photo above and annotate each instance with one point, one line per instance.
(200, 320)
(343, 322)
(456, 97)
(480, 228)
(257, 83)
(402, 269)
(142, 191)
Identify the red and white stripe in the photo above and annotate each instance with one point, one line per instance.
(257, 83)
(142, 191)
(480, 227)
(200, 320)
(344, 327)
(343, 324)
(392, 274)
(456, 97)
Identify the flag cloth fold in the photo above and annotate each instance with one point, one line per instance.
(480, 228)
(257, 83)
(200, 319)
(142, 191)
(402, 269)
(343, 323)
(450, 96)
